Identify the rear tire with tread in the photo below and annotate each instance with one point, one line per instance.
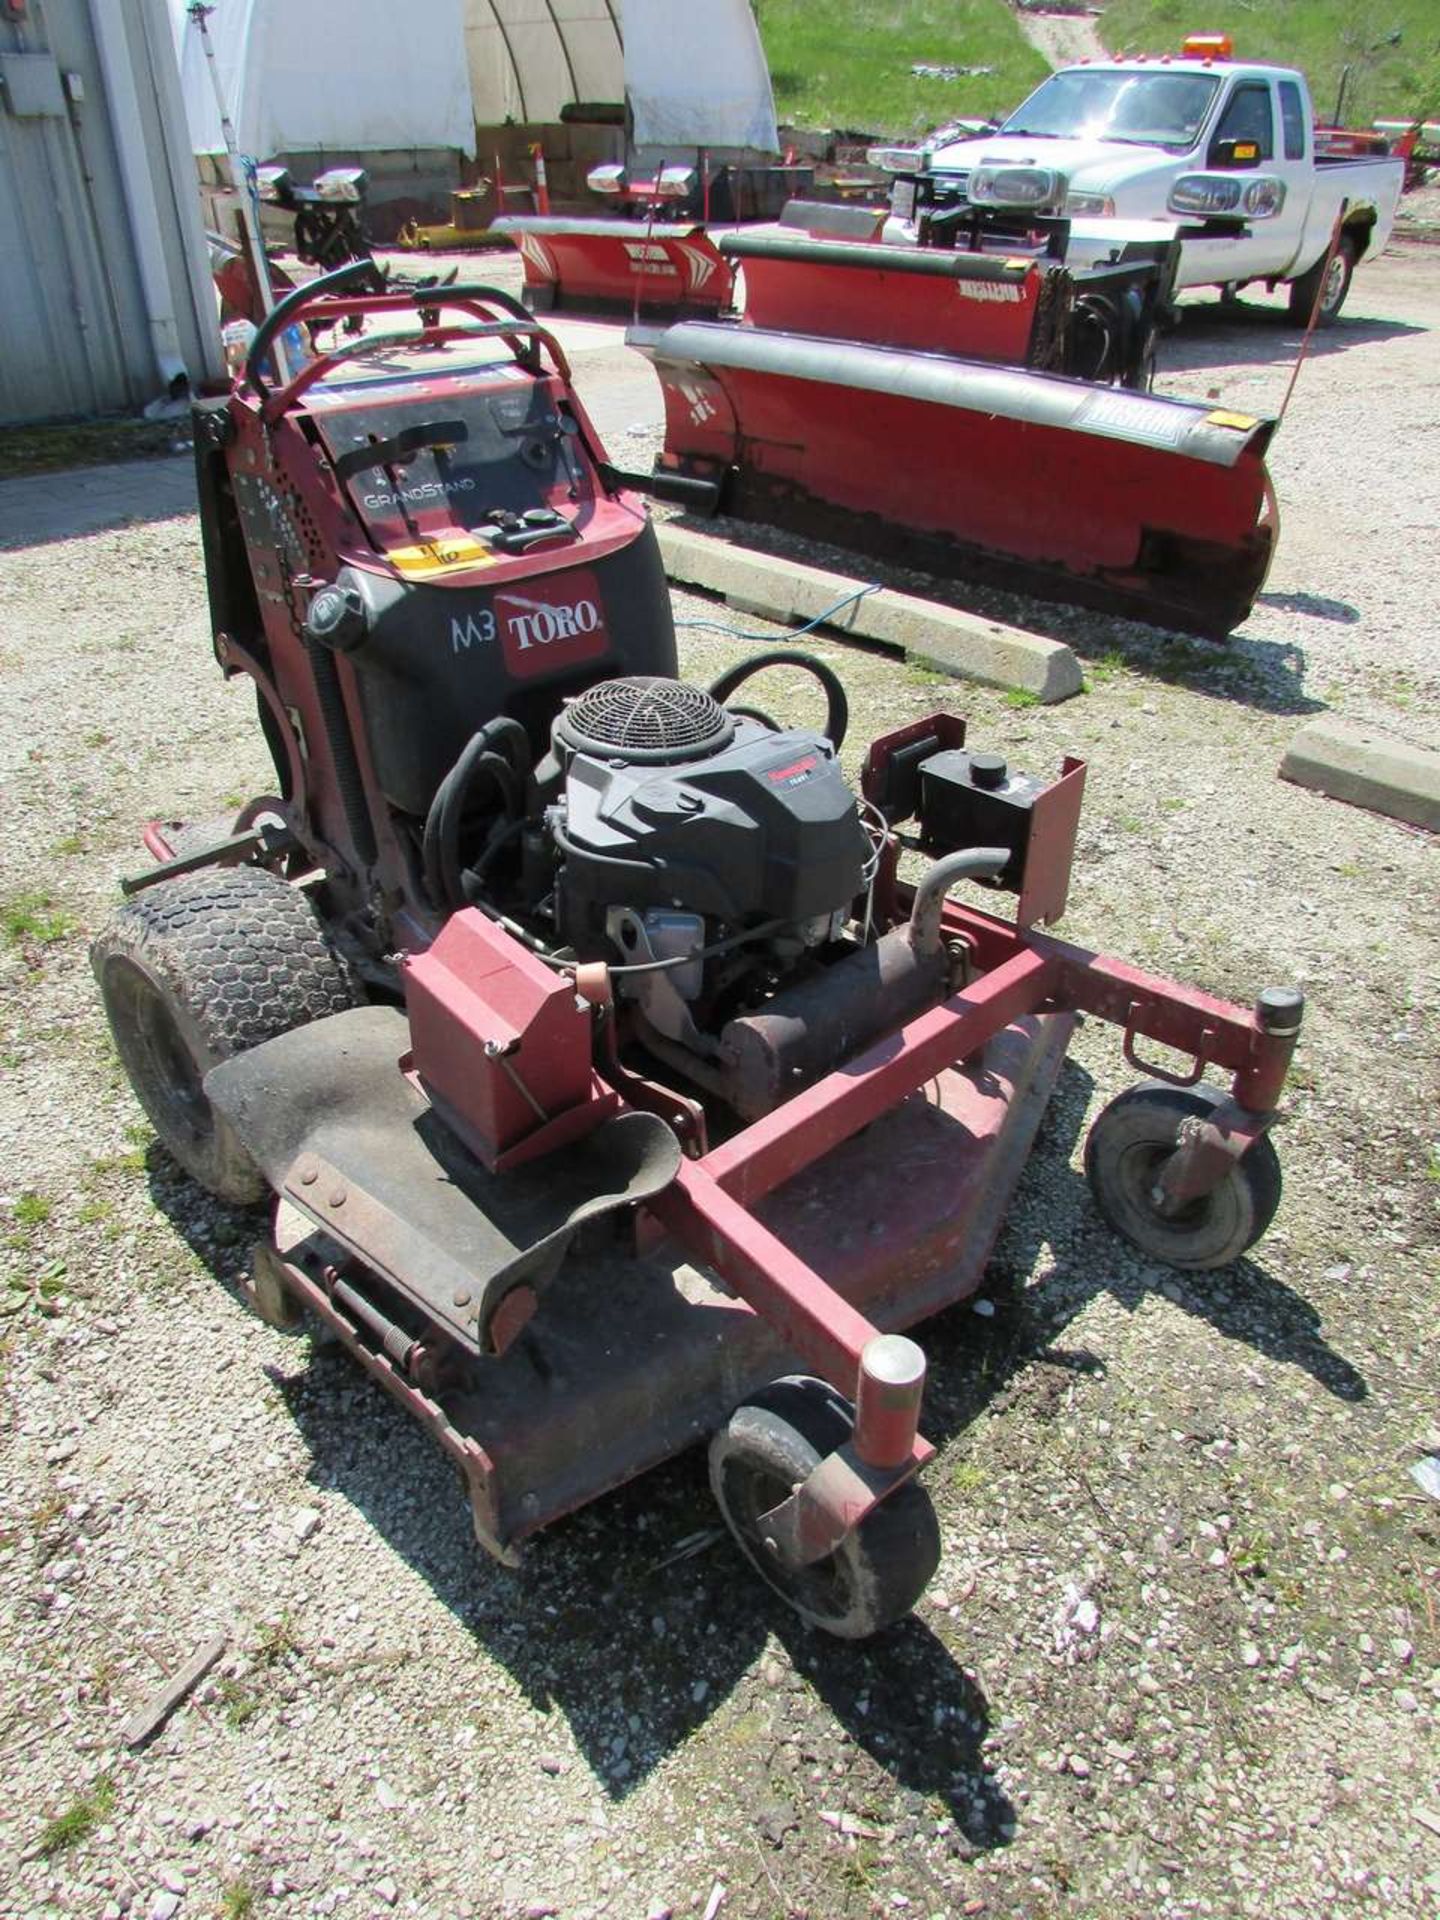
(198, 969)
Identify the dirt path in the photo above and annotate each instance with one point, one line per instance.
(1061, 37)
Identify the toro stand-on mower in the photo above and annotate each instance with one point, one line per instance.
(613, 1088)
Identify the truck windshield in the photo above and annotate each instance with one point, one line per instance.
(1137, 109)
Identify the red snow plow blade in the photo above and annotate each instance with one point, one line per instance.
(601, 265)
(1158, 509)
(983, 306)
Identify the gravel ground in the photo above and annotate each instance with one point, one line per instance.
(1181, 1654)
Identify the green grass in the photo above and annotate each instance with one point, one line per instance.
(86, 443)
(32, 1210)
(846, 64)
(79, 1819)
(1321, 37)
(237, 1900)
(32, 917)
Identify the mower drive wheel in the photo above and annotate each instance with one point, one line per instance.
(762, 1453)
(1126, 1149)
(200, 968)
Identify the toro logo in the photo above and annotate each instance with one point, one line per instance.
(552, 624)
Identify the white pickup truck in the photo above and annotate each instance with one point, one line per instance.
(1224, 152)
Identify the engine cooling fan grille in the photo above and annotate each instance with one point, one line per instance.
(644, 718)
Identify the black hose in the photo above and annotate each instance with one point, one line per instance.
(444, 879)
(837, 707)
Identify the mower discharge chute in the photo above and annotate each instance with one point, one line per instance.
(612, 1086)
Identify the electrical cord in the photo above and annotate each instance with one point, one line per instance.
(737, 633)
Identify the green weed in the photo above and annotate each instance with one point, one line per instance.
(33, 917)
(79, 1819)
(237, 1900)
(33, 1210)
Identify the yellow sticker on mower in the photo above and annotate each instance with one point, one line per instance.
(451, 553)
(1241, 422)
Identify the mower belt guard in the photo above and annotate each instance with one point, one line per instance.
(976, 305)
(338, 1130)
(604, 265)
(1153, 508)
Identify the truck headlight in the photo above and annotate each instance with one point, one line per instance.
(1036, 189)
(1089, 206)
(1205, 193)
(1264, 197)
(897, 159)
(342, 183)
(902, 200)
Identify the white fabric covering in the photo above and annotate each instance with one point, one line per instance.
(695, 75)
(368, 75)
(336, 75)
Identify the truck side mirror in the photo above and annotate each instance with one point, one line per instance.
(1239, 155)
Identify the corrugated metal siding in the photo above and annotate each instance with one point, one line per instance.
(74, 333)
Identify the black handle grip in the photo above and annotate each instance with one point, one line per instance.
(330, 284)
(703, 496)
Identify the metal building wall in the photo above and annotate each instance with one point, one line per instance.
(104, 288)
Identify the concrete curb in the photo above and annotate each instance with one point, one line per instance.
(962, 644)
(1368, 768)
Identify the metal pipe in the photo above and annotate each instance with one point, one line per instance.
(241, 174)
(887, 1405)
(123, 98)
(970, 863)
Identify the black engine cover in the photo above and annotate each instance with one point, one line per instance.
(767, 829)
(437, 662)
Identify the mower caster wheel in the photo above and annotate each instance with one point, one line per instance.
(767, 1447)
(1128, 1146)
(195, 970)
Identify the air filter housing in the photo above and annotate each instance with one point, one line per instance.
(645, 720)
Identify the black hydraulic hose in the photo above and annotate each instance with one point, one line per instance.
(837, 707)
(331, 698)
(443, 878)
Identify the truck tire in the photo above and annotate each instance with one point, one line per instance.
(1336, 274)
(196, 970)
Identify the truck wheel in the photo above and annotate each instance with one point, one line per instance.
(198, 969)
(1332, 295)
(874, 1577)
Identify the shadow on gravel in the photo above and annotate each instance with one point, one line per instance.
(1221, 333)
(637, 1649)
(1081, 1258)
(1266, 675)
(636, 1618)
(1314, 605)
